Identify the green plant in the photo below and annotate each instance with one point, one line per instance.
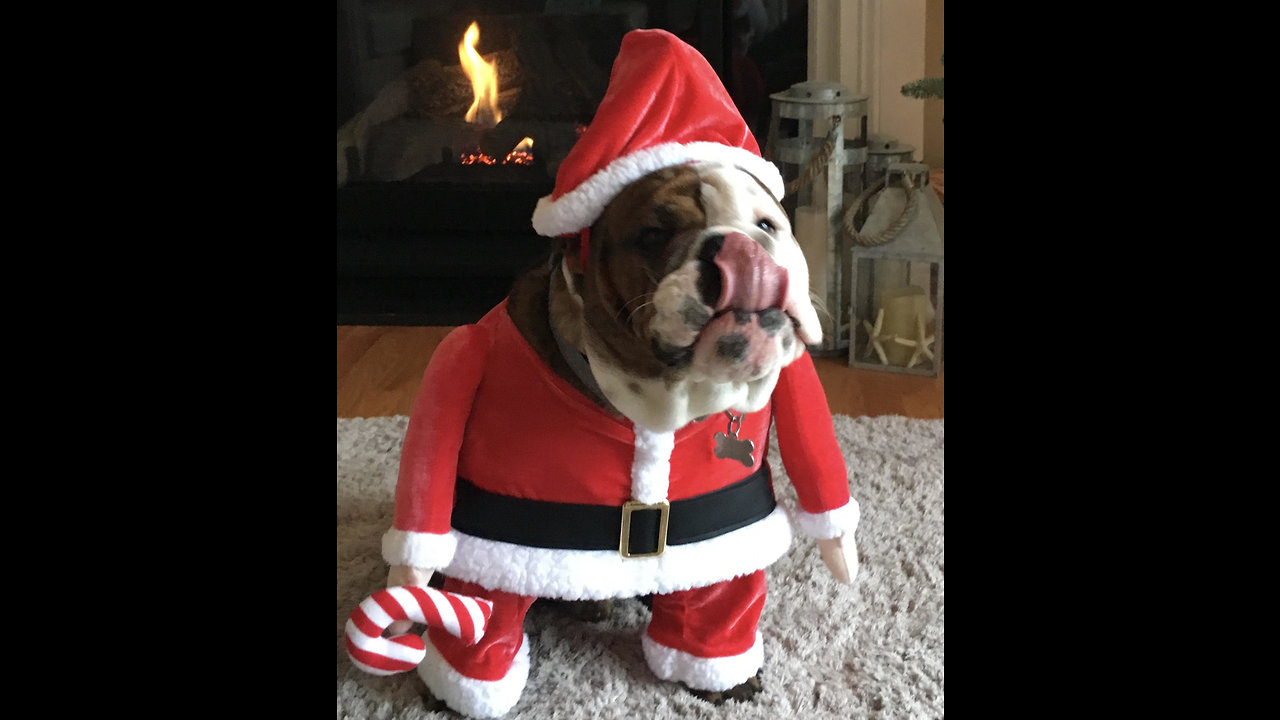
(925, 87)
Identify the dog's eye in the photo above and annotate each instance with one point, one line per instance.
(766, 225)
(652, 238)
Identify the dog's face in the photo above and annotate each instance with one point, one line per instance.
(695, 295)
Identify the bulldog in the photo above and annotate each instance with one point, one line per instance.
(694, 298)
(603, 432)
(685, 328)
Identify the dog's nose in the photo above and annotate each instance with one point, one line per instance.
(735, 271)
(710, 282)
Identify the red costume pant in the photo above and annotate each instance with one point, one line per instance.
(717, 621)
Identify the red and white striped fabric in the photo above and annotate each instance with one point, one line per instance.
(462, 616)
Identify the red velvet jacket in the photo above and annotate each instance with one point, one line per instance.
(490, 410)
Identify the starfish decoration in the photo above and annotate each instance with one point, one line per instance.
(875, 338)
(922, 343)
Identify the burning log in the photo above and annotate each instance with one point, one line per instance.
(428, 127)
(437, 91)
(402, 147)
(354, 136)
(549, 73)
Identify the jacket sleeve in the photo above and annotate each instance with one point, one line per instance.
(419, 534)
(811, 454)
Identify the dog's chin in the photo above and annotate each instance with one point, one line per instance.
(733, 345)
(730, 361)
(743, 346)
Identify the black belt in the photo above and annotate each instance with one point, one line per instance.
(634, 530)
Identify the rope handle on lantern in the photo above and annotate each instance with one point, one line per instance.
(894, 228)
(818, 163)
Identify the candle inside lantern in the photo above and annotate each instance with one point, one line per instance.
(902, 306)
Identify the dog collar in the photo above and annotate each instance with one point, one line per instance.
(728, 446)
(576, 360)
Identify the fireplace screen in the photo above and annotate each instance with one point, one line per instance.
(453, 118)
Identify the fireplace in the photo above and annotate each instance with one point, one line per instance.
(436, 187)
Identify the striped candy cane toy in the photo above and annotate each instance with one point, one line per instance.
(462, 616)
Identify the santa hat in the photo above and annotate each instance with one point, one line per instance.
(664, 106)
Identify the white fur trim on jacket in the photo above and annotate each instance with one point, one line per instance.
(421, 550)
(471, 697)
(831, 524)
(699, 673)
(580, 207)
(651, 468)
(599, 574)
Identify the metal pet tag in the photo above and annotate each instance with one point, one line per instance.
(729, 447)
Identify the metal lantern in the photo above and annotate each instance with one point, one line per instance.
(883, 151)
(896, 275)
(818, 139)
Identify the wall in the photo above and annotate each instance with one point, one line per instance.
(874, 47)
(933, 112)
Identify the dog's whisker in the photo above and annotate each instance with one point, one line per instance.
(641, 296)
(638, 308)
(819, 305)
(639, 302)
(643, 299)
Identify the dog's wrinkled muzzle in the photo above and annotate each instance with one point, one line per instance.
(730, 314)
(742, 345)
(749, 333)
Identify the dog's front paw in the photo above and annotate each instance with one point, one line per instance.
(586, 610)
(738, 693)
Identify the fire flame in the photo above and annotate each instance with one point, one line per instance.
(484, 109)
(522, 153)
(519, 155)
(484, 81)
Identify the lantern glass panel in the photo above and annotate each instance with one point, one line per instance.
(897, 315)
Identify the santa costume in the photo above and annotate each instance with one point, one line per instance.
(517, 486)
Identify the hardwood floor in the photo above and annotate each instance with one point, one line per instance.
(380, 370)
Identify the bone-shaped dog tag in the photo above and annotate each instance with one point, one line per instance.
(729, 447)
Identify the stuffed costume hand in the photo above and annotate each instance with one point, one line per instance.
(832, 550)
(405, 575)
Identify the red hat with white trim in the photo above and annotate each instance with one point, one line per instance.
(664, 106)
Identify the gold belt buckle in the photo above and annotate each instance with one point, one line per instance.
(624, 545)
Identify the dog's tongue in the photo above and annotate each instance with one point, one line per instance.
(751, 280)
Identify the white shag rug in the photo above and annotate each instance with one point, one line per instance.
(868, 650)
